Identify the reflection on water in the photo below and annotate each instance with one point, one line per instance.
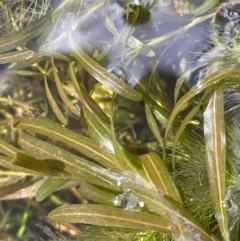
(132, 41)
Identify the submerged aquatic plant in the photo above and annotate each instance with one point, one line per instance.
(64, 121)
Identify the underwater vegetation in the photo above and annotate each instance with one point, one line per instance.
(119, 120)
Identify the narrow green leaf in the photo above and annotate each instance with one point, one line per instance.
(6, 162)
(81, 143)
(58, 82)
(32, 30)
(85, 97)
(120, 155)
(49, 167)
(93, 106)
(8, 149)
(215, 146)
(207, 5)
(153, 104)
(179, 84)
(98, 130)
(48, 187)
(26, 63)
(178, 32)
(105, 215)
(28, 73)
(182, 127)
(153, 124)
(54, 105)
(96, 194)
(76, 166)
(74, 79)
(118, 149)
(210, 80)
(159, 175)
(132, 42)
(101, 74)
(15, 56)
(61, 91)
(26, 34)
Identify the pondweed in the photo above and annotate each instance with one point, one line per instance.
(90, 108)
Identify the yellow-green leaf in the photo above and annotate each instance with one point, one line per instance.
(61, 91)
(210, 80)
(207, 5)
(159, 175)
(6, 162)
(54, 105)
(96, 194)
(48, 187)
(111, 216)
(76, 166)
(8, 149)
(215, 146)
(101, 74)
(47, 167)
(98, 130)
(153, 124)
(85, 97)
(182, 127)
(81, 143)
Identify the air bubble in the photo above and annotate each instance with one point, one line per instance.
(132, 201)
(119, 200)
(170, 227)
(141, 204)
(224, 204)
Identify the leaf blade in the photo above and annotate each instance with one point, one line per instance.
(81, 143)
(48, 187)
(54, 105)
(153, 124)
(101, 74)
(75, 166)
(215, 146)
(159, 175)
(110, 216)
(212, 79)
